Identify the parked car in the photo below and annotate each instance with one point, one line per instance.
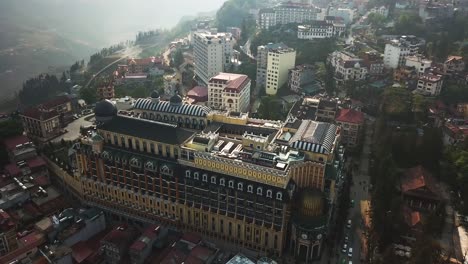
(348, 225)
(346, 238)
(350, 252)
(345, 247)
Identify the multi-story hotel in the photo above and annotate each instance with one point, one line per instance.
(286, 13)
(212, 54)
(265, 185)
(229, 91)
(320, 29)
(273, 64)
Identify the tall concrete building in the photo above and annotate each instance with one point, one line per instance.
(229, 91)
(397, 49)
(273, 64)
(212, 54)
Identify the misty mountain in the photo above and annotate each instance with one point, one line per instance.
(40, 35)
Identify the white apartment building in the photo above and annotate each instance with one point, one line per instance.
(345, 13)
(398, 48)
(262, 61)
(420, 63)
(212, 53)
(279, 61)
(229, 91)
(347, 66)
(318, 29)
(395, 53)
(383, 11)
(430, 84)
(286, 13)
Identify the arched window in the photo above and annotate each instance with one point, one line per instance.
(240, 187)
(269, 193)
(221, 182)
(205, 178)
(196, 175)
(259, 191)
(279, 196)
(187, 173)
(213, 179)
(231, 184)
(250, 188)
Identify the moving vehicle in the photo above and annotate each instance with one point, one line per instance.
(350, 252)
(348, 225)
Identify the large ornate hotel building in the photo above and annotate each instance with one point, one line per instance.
(266, 185)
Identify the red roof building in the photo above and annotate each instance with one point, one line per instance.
(117, 242)
(350, 116)
(141, 248)
(7, 233)
(229, 91)
(351, 122)
(419, 188)
(199, 94)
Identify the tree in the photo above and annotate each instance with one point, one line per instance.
(376, 20)
(426, 250)
(8, 128)
(409, 24)
(178, 58)
(89, 95)
(270, 108)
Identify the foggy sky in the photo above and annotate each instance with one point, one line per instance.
(104, 22)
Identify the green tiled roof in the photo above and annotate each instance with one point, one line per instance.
(151, 130)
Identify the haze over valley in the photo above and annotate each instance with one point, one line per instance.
(49, 35)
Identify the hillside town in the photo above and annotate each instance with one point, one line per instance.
(312, 132)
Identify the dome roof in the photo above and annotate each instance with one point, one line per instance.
(154, 94)
(176, 99)
(105, 108)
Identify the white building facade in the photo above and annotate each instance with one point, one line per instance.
(279, 62)
(420, 63)
(228, 91)
(347, 67)
(286, 13)
(430, 84)
(212, 54)
(318, 29)
(345, 13)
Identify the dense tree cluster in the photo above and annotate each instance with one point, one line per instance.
(38, 89)
(143, 37)
(233, 13)
(105, 52)
(9, 128)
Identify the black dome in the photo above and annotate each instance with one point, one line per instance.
(154, 94)
(105, 108)
(176, 99)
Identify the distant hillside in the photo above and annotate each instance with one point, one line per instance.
(27, 48)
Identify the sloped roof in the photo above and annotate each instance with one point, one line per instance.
(412, 218)
(12, 142)
(59, 100)
(416, 178)
(166, 107)
(350, 116)
(141, 128)
(314, 136)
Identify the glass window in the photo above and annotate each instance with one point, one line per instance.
(259, 190)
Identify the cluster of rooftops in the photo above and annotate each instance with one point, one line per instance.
(272, 144)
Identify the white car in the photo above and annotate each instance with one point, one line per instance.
(348, 225)
(345, 247)
(350, 252)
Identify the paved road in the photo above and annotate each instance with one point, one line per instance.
(358, 192)
(124, 54)
(73, 129)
